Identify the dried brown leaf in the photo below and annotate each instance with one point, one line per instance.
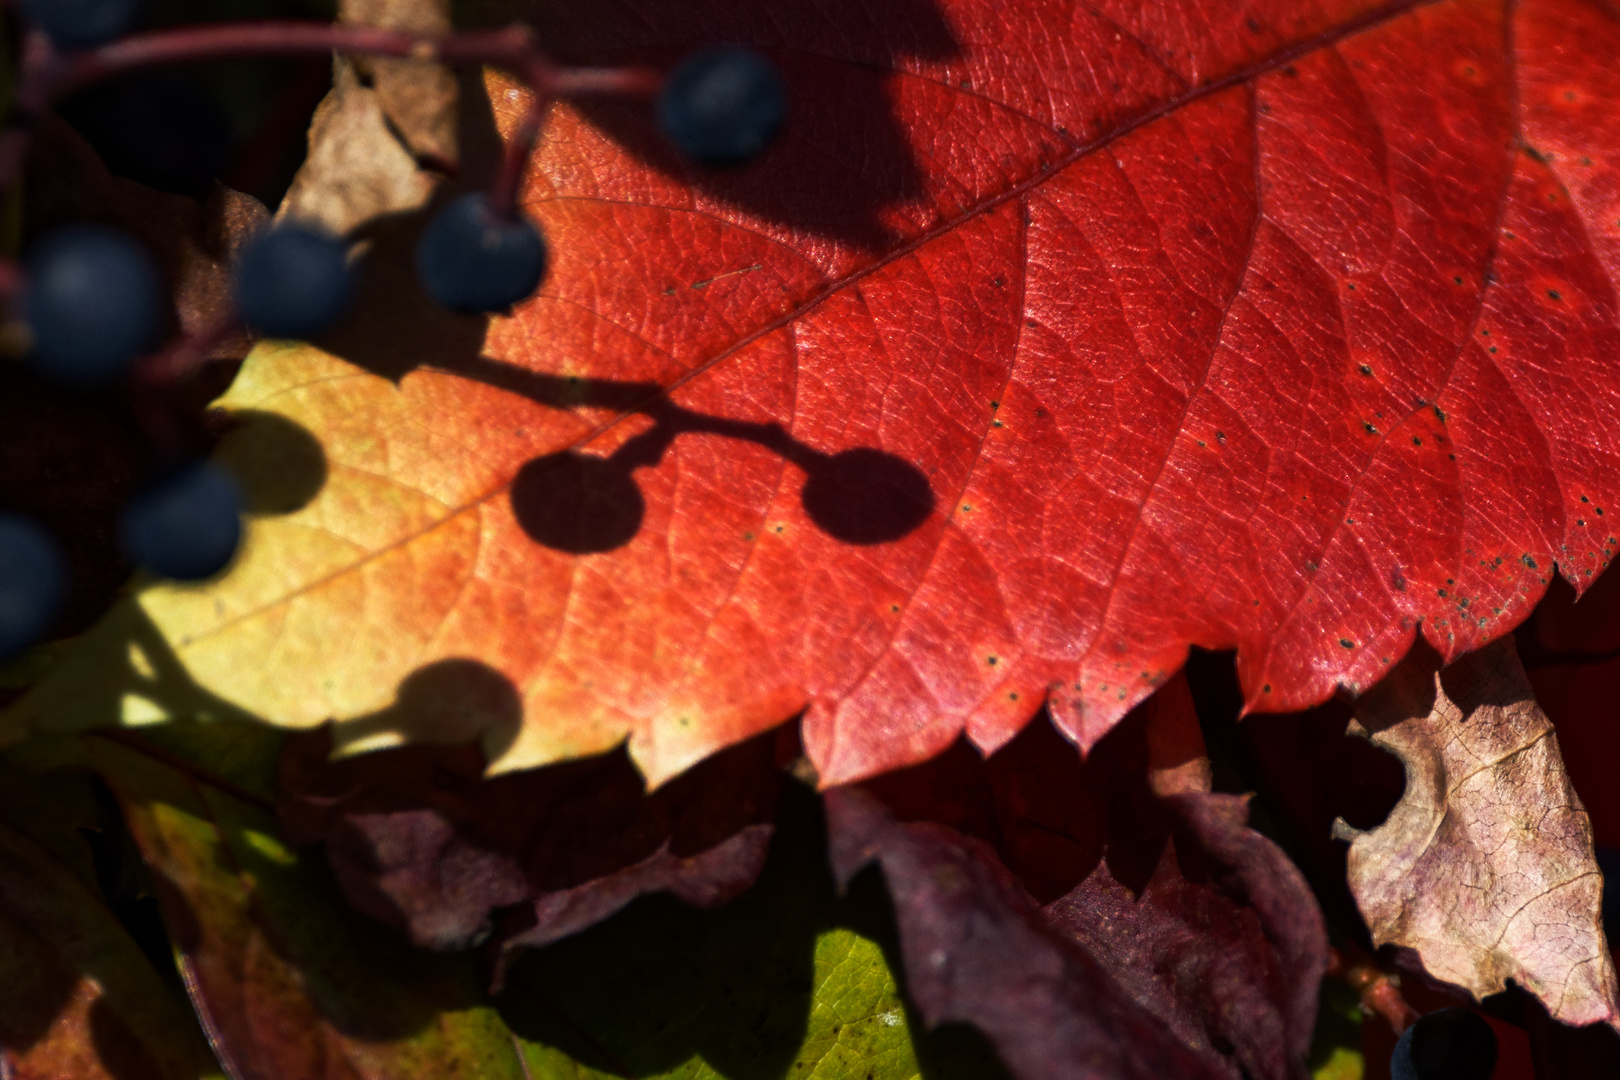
(417, 838)
(1196, 921)
(417, 96)
(382, 121)
(1484, 870)
(357, 168)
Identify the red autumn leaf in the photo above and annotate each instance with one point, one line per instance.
(1051, 340)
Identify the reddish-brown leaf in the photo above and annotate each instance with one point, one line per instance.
(419, 840)
(1052, 339)
(1069, 912)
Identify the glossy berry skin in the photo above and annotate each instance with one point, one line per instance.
(187, 526)
(33, 582)
(92, 302)
(723, 106)
(472, 260)
(294, 281)
(79, 24)
(1447, 1044)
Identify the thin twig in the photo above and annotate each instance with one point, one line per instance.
(1379, 990)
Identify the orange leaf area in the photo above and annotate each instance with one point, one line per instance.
(1051, 341)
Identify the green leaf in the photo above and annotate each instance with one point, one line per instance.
(1336, 1049)
(290, 983)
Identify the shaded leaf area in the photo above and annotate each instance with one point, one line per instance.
(419, 839)
(788, 980)
(193, 241)
(1090, 926)
(1336, 1049)
(791, 980)
(72, 459)
(79, 998)
(288, 983)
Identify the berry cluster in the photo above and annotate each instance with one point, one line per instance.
(91, 300)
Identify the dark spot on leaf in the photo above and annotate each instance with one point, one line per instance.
(1366, 369)
(866, 496)
(1528, 561)
(1347, 643)
(577, 503)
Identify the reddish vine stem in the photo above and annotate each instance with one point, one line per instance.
(1380, 994)
(185, 354)
(48, 74)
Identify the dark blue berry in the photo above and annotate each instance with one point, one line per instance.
(33, 581)
(1447, 1044)
(187, 526)
(723, 106)
(78, 24)
(294, 281)
(92, 302)
(473, 260)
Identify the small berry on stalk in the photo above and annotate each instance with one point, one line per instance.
(723, 106)
(187, 526)
(91, 300)
(33, 581)
(79, 24)
(473, 260)
(1447, 1044)
(294, 281)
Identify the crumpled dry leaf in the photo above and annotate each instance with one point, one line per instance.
(417, 96)
(357, 168)
(383, 120)
(1484, 870)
